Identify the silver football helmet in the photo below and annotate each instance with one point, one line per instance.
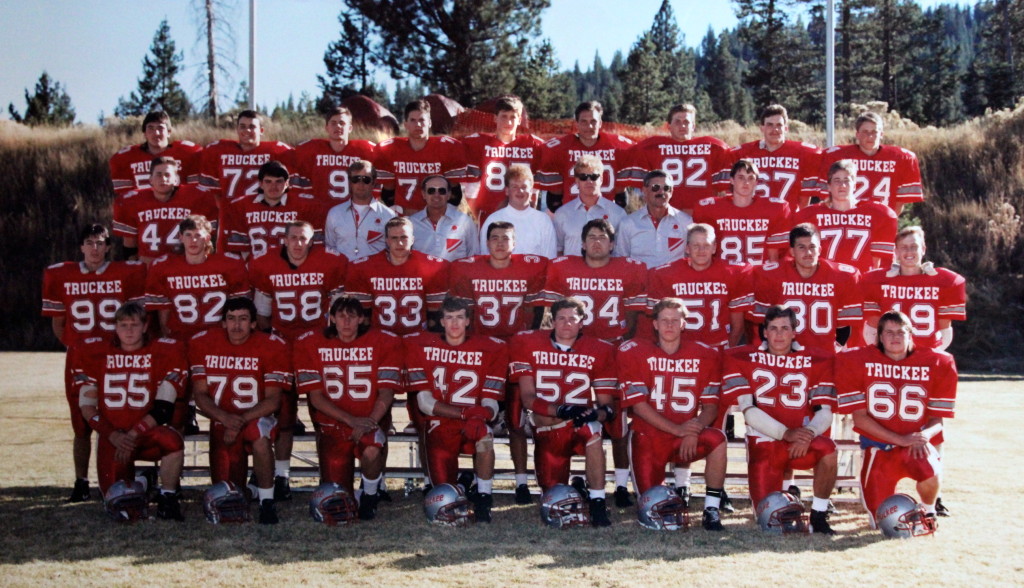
(332, 505)
(447, 505)
(562, 507)
(126, 502)
(223, 503)
(780, 512)
(900, 516)
(662, 509)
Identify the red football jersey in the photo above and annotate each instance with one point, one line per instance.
(786, 174)
(691, 165)
(607, 293)
(195, 294)
(237, 375)
(460, 375)
(154, 224)
(925, 299)
(829, 299)
(317, 168)
(710, 296)
(784, 386)
(351, 375)
(401, 169)
(560, 154)
(487, 160)
(900, 395)
(400, 295)
(127, 381)
(88, 300)
(891, 176)
(131, 166)
(855, 236)
(743, 234)
(233, 171)
(674, 384)
(502, 299)
(564, 377)
(252, 225)
(296, 298)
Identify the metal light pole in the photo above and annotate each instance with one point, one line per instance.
(252, 54)
(830, 73)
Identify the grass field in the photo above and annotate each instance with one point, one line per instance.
(45, 541)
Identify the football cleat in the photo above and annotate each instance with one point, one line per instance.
(780, 512)
(580, 485)
(224, 503)
(482, 504)
(794, 490)
(80, 493)
(819, 523)
(126, 502)
(683, 492)
(282, 489)
(299, 428)
(465, 480)
(192, 426)
(940, 509)
(900, 516)
(599, 513)
(726, 505)
(168, 508)
(712, 520)
(447, 505)
(150, 474)
(523, 495)
(662, 509)
(268, 512)
(563, 507)
(622, 497)
(382, 493)
(368, 506)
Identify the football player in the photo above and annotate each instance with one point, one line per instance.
(888, 174)
(320, 166)
(232, 166)
(788, 168)
(403, 162)
(570, 218)
(662, 384)
(127, 388)
(350, 374)
(787, 395)
(81, 298)
(130, 168)
(489, 157)
(561, 373)
(238, 374)
(656, 233)
(899, 396)
(441, 229)
(559, 157)
(536, 234)
(460, 378)
(690, 162)
(147, 219)
(356, 228)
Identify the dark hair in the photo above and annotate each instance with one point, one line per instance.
(897, 317)
(570, 302)
(681, 108)
(164, 160)
(498, 225)
(248, 114)
(156, 116)
(779, 311)
(420, 105)
(335, 111)
(347, 305)
(802, 230)
(455, 304)
(774, 110)
(94, 230)
(598, 223)
(654, 173)
(274, 169)
(588, 105)
(239, 303)
(131, 309)
(744, 164)
(362, 165)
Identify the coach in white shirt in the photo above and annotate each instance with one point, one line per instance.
(440, 229)
(356, 228)
(656, 233)
(570, 218)
(535, 235)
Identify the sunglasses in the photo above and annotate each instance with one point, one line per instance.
(588, 177)
(442, 191)
(658, 188)
(362, 180)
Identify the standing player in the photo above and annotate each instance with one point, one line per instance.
(147, 219)
(690, 162)
(461, 377)
(536, 233)
(570, 218)
(567, 380)
(750, 230)
(350, 374)
(899, 396)
(127, 388)
(232, 166)
(403, 162)
(656, 233)
(558, 163)
(788, 168)
(888, 174)
(130, 167)
(787, 395)
(320, 166)
(237, 375)
(489, 157)
(81, 299)
(441, 229)
(855, 233)
(355, 228)
(663, 383)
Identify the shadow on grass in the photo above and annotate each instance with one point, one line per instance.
(40, 526)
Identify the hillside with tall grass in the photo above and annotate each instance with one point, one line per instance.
(57, 180)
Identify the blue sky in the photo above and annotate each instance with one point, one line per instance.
(95, 47)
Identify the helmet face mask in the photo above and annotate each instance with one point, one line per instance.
(126, 502)
(447, 505)
(901, 517)
(562, 507)
(223, 503)
(332, 505)
(662, 510)
(781, 512)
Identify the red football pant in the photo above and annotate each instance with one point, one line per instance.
(78, 424)
(230, 462)
(651, 451)
(149, 446)
(554, 448)
(338, 453)
(445, 442)
(768, 460)
(882, 470)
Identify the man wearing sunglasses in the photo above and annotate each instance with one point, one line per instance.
(320, 165)
(441, 229)
(570, 218)
(356, 228)
(656, 233)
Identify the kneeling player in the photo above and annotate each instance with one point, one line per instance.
(350, 373)
(786, 395)
(561, 373)
(237, 377)
(464, 377)
(663, 383)
(127, 390)
(898, 396)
